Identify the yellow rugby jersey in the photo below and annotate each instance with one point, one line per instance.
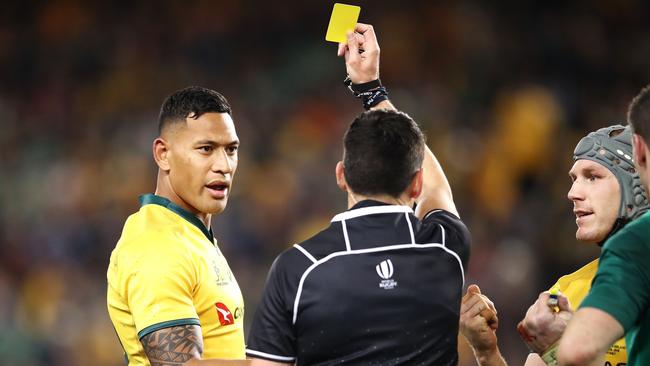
(575, 286)
(167, 270)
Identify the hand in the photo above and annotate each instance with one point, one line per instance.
(542, 326)
(478, 321)
(361, 54)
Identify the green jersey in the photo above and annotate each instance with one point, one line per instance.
(622, 286)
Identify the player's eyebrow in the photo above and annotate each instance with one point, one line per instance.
(593, 170)
(215, 143)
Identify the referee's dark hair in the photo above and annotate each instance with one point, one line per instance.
(191, 102)
(638, 114)
(383, 151)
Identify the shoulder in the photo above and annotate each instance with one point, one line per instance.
(144, 246)
(443, 227)
(295, 261)
(327, 241)
(152, 224)
(448, 223)
(586, 272)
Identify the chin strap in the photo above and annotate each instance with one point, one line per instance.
(618, 225)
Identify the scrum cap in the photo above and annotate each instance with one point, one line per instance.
(612, 147)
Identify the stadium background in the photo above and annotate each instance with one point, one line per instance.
(504, 91)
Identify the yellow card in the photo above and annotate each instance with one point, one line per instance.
(344, 18)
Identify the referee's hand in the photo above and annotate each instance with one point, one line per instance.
(478, 320)
(361, 54)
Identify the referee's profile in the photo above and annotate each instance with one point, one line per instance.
(382, 284)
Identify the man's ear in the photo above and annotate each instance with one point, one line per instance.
(415, 188)
(161, 153)
(340, 176)
(640, 149)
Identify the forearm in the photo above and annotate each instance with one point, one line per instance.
(589, 334)
(436, 191)
(490, 358)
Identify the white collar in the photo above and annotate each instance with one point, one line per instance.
(371, 210)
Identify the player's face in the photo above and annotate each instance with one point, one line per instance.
(203, 160)
(596, 196)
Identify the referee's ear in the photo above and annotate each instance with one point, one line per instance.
(415, 188)
(340, 176)
(160, 151)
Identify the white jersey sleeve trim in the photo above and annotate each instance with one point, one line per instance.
(268, 355)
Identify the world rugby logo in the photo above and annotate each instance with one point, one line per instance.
(385, 271)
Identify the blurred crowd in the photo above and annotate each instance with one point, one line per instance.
(503, 90)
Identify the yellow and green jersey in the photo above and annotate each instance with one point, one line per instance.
(167, 270)
(575, 287)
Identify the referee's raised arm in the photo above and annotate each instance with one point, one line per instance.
(362, 65)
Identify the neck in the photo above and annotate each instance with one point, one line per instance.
(354, 198)
(164, 189)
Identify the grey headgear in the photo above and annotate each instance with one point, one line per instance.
(612, 147)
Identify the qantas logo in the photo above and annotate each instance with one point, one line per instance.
(385, 272)
(225, 316)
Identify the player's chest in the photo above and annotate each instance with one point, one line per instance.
(216, 277)
(218, 294)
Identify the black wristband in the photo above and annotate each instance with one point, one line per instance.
(371, 92)
(371, 99)
(357, 89)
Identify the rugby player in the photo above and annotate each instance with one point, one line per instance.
(606, 195)
(171, 295)
(619, 300)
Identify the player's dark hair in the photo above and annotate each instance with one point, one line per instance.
(192, 102)
(383, 151)
(638, 115)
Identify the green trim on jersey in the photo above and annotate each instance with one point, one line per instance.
(149, 198)
(168, 324)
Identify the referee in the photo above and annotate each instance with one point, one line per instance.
(382, 284)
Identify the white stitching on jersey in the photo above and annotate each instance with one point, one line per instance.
(345, 235)
(408, 220)
(305, 252)
(268, 355)
(369, 250)
(370, 211)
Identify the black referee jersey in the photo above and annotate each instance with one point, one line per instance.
(377, 287)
